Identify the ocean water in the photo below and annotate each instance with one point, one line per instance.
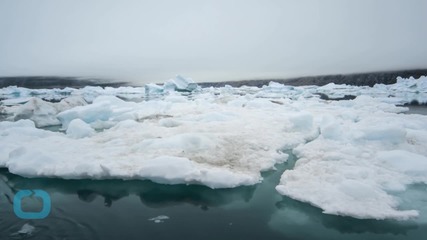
(417, 109)
(117, 209)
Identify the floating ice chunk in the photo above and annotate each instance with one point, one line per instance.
(353, 165)
(26, 230)
(79, 129)
(159, 219)
(326, 186)
(70, 102)
(41, 112)
(102, 108)
(214, 144)
(179, 83)
(151, 88)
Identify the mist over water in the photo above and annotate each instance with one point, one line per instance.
(151, 41)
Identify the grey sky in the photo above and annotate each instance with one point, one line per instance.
(151, 41)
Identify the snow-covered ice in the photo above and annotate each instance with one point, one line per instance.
(360, 158)
(354, 155)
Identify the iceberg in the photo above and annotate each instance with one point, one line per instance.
(151, 88)
(179, 83)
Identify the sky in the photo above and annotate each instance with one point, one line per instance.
(210, 40)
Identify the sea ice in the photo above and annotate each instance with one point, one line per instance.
(41, 112)
(360, 158)
(191, 142)
(179, 83)
(354, 156)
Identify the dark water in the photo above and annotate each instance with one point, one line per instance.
(115, 209)
(417, 109)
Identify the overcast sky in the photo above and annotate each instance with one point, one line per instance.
(151, 41)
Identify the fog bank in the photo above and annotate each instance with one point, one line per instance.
(151, 41)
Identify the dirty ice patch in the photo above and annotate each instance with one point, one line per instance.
(192, 142)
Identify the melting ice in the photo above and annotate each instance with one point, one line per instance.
(354, 155)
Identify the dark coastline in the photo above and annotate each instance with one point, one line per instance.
(49, 82)
(358, 79)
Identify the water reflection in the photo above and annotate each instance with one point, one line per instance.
(345, 225)
(109, 209)
(151, 194)
(101, 209)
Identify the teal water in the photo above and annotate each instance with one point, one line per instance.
(116, 209)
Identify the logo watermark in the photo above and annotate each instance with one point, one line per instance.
(17, 204)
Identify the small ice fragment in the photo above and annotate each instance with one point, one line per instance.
(26, 230)
(159, 219)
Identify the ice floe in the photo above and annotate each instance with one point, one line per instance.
(354, 155)
(359, 159)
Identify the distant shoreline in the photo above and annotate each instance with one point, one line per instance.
(358, 79)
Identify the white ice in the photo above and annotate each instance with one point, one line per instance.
(172, 141)
(26, 230)
(354, 156)
(361, 157)
(41, 112)
(159, 219)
